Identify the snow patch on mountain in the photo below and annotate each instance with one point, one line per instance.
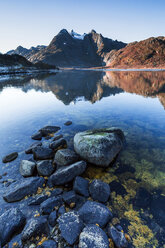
(77, 36)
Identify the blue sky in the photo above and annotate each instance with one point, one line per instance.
(32, 22)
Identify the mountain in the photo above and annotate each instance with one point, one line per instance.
(73, 50)
(27, 53)
(149, 53)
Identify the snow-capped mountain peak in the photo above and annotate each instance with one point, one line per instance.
(77, 36)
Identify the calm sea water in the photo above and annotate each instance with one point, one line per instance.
(132, 101)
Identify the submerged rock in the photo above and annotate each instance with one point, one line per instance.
(95, 213)
(27, 168)
(37, 136)
(35, 227)
(58, 144)
(67, 174)
(23, 188)
(80, 186)
(45, 168)
(47, 206)
(70, 226)
(99, 191)
(42, 153)
(11, 222)
(30, 149)
(49, 130)
(93, 236)
(68, 123)
(118, 237)
(10, 157)
(118, 188)
(65, 157)
(100, 146)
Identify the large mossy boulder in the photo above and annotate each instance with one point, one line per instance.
(99, 146)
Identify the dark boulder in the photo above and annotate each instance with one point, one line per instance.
(11, 222)
(99, 191)
(37, 136)
(49, 130)
(70, 226)
(23, 188)
(58, 144)
(35, 227)
(118, 188)
(10, 157)
(38, 199)
(48, 206)
(58, 137)
(80, 186)
(45, 168)
(27, 168)
(95, 213)
(67, 174)
(56, 192)
(93, 236)
(52, 218)
(42, 153)
(30, 149)
(69, 197)
(65, 157)
(68, 123)
(48, 244)
(118, 237)
(142, 198)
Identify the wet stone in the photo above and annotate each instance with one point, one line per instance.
(42, 153)
(45, 168)
(99, 191)
(48, 206)
(70, 226)
(118, 237)
(35, 227)
(10, 157)
(37, 136)
(68, 123)
(52, 218)
(30, 149)
(67, 174)
(27, 186)
(27, 168)
(58, 137)
(80, 186)
(93, 236)
(61, 210)
(49, 130)
(65, 157)
(69, 197)
(56, 192)
(11, 222)
(95, 213)
(37, 200)
(58, 144)
(48, 244)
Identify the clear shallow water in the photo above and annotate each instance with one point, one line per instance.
(132, 101)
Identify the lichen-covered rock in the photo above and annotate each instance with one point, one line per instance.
(45, 168)
(10, 157)
(95, 213)
(48, 205)
(27, 186)
(80, 186)
(99, 191)
(65, 157)
(93, 236)
(11, 221)
(100, 146)
(118, 237)
(27, 168)
(35, 227)
(42, 153)
(67, 174)
(70, 226)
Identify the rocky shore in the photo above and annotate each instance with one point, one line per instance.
(70, 210)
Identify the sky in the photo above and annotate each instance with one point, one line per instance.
(35, 22)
